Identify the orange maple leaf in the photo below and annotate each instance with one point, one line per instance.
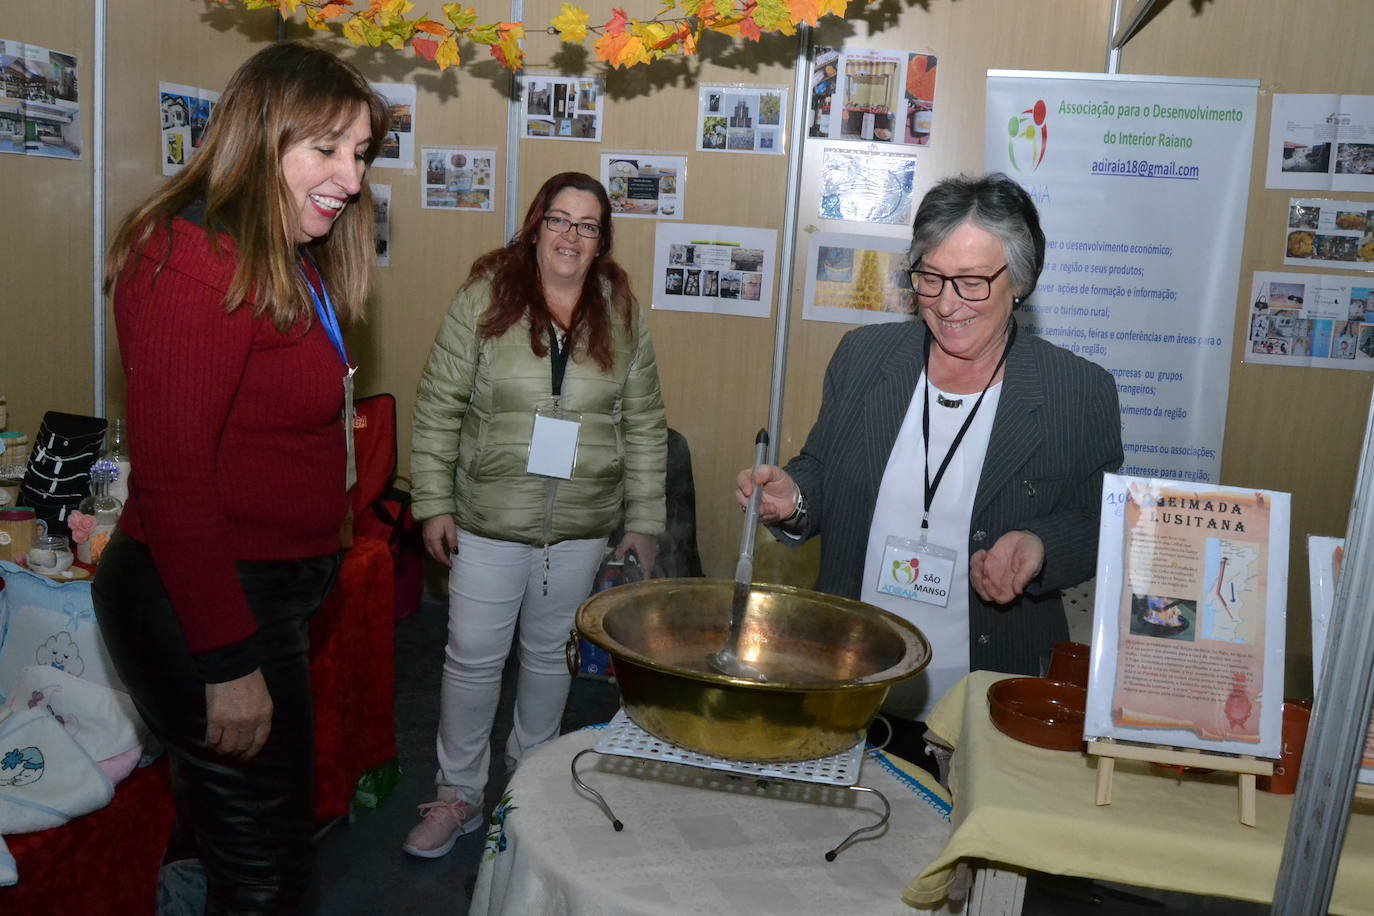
(430, 27)
(425, 48)
(608, 46)
(617, 23)
(333, 11)
(750, 29)
(803, 11)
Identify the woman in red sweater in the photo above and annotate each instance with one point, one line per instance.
(229, 284)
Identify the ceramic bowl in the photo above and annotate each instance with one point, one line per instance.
(1069, 662)
(1038, 711)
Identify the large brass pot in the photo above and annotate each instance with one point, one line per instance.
(828, 661)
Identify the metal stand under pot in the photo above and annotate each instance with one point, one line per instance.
(823, 780)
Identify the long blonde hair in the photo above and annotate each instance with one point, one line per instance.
(286, 93)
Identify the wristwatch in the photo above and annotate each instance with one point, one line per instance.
(798, 510)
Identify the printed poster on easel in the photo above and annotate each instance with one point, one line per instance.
(1188, 625)
(1324, 568)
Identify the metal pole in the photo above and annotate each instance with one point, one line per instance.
(98, 212)
(800, 96)
(517, 14)
(1340, 716)
(1113, 64)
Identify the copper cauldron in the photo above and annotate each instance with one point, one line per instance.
(828, 661)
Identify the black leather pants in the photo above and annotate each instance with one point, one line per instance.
(251, 820)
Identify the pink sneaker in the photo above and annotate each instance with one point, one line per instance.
(445, 820)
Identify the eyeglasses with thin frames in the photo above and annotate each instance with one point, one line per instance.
(560, 225)
(969, 287)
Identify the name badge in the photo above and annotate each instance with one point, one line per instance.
(917, 571)
(553, 446)
(351, 474)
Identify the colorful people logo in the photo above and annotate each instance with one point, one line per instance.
(1029, 131)
(905, 571)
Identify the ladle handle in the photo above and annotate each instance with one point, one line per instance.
(744, 569)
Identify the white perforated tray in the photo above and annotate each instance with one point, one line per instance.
(623, 738)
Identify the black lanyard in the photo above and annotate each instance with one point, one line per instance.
(931, 487)
(558, 361)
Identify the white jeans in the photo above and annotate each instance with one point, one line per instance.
(491, 585)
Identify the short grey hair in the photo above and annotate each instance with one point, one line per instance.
(993, 203)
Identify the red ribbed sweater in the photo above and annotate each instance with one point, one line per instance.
(235, 439)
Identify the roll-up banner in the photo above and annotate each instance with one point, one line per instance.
(1141, 183)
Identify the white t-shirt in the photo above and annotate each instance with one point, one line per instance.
(901, 503)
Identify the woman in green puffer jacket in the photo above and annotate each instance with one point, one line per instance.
(538, 429)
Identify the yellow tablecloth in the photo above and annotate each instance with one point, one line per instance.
(1029, 808)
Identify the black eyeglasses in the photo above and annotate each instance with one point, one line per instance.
(560, 225)
(969, 287)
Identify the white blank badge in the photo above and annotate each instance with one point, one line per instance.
(553, 447)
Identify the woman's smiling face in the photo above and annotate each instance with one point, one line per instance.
(323, 173)
(972, 331)
(567, 256)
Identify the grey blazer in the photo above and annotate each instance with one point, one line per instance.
(1057, 429)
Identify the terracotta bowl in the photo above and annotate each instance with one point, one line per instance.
(1041, 712)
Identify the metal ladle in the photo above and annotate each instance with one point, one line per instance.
(726, 660)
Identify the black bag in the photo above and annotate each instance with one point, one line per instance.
(58, 475)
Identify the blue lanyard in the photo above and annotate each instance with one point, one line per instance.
(325, 309)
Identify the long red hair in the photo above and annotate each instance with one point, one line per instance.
(517, 291)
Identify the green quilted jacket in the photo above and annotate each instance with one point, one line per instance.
(474, 415)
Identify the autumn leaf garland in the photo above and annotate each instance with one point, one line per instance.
(620, 42)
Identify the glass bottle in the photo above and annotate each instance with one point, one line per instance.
(105, 509)
(117, 452)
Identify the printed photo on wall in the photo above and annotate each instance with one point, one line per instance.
(867, 187)
(1321, 142)
(561, 108)
(857, 279)
(398, 146)
(457, 179)
(876, 96)
(185, 115)
(741, 119)
(40, 114)
(1330, 233)
(645, 186)
(727, 270)
(381, 222)
(1314, 320)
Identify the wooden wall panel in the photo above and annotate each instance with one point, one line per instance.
(46, 304)
(1290, 429)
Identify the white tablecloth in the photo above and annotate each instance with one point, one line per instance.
(699, 842)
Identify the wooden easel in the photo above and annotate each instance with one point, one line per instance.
(1247, 768)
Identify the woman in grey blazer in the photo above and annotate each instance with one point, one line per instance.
(955, 469)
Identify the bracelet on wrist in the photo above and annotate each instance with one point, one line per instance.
(798, 509)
